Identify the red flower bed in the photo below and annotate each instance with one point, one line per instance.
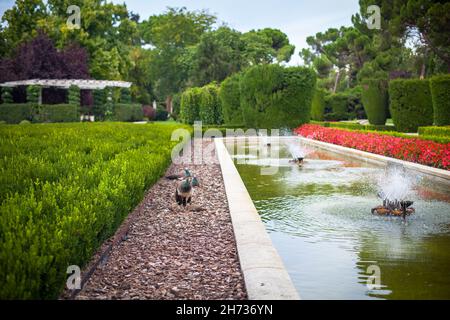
(415, 150)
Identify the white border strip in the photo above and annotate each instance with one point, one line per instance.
(265, 276)
(371, 157)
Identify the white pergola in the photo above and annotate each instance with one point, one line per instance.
(67, 83)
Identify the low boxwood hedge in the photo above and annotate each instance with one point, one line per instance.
(16, 112)
(435, 131)
(64, 190)
(385, 130)
(354, 126)
(56, 113)
(127, 112)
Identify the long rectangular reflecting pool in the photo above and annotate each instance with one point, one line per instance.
(319, 219)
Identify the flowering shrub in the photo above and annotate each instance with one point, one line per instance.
(415, 150)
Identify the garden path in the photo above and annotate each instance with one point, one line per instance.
(167, 252)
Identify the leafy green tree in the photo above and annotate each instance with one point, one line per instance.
(20, 23)
(177, 27)
(423, 23)
(267, 46)
(218, 55)
(323, 66)
(347, 49)
(107, 31)
(430, 20)
(172, 35)
(140, 74)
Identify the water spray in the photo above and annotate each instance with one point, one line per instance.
(395, 190)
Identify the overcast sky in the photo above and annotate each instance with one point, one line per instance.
(297, 18)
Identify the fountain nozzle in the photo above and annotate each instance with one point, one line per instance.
(298, 161)
(395, 208)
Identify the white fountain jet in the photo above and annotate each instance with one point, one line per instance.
(264, 140)
(268, 151)
(395, 185)
(296, 151)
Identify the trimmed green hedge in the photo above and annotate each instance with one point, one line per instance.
(33, 94)
(318, 105)
(338, 103)
(128, 112)
(375, 100)
(384, 130)
(108, 107)
(435, 131)
(99, 97)
(407, 136)
(176, 105)
(338, 116)
(230, 97)
(338, 106)
(411, 104)
(74, 95)
(56, 113)
(440, 91)
(438, 139)
(355, 126)
(64, 190)
(276, 97)
(190, 105)
(7, 97)
(161, 114)
(210, 111)
(99, 108)
(125, 96)
(16, 112)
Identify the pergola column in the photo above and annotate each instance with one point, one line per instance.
(40, 96)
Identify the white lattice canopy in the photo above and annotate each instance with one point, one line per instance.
(66, 83)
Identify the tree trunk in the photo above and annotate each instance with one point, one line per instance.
(169, 104)
(336, 82)
(423, 71)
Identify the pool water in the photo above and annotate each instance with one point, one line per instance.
(319, 219)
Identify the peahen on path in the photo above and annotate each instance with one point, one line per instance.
(185, 190)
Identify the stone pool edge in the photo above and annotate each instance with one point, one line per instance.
(265, 276)
(372, 157)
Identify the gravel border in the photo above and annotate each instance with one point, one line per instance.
(164, 252)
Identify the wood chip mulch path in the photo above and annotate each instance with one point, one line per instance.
(171, 253)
